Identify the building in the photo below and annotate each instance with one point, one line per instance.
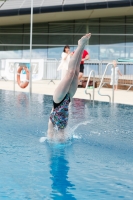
(61, 22)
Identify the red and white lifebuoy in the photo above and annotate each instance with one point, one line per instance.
(23, 84)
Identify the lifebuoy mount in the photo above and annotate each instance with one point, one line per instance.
(23, 84)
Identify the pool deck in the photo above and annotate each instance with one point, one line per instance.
(44, 87)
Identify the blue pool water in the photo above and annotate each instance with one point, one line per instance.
(95, 164)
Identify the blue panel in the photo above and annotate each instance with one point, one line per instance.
(26, 11)
(131, 2)
(96, 5)
(114, 4)
(73, 7)
(51, 9)
(9, 12)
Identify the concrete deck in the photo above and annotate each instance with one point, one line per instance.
(42, 87)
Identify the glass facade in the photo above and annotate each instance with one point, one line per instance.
(112, 38)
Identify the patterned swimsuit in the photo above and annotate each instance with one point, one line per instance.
(59, 115)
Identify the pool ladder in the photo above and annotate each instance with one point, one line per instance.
(86, 88)
(101, 84)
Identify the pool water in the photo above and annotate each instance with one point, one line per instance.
(96, 163)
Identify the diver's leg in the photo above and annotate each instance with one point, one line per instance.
(73, 67)
(74, 84)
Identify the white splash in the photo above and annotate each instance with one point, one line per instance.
(72, 130)
(42, 139)
(70, 133)
(76, 137)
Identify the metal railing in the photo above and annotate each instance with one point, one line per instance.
(102, 83)
(2, 77)
(50, 70)
(86, 88)
(50, 73)
(126, 79)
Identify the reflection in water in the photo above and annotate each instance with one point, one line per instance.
(22, 99)
(59, 167)
(23, 102)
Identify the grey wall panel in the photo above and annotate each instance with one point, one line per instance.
(12, 4)
(1, 2)
(69, 2)
(52, 3)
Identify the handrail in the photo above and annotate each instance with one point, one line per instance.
(102, 82)
(2, 77)
(92, 71)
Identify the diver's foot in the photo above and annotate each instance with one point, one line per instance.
(84, 39)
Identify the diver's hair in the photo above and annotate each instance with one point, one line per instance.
(67, 46)
(114, 62)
